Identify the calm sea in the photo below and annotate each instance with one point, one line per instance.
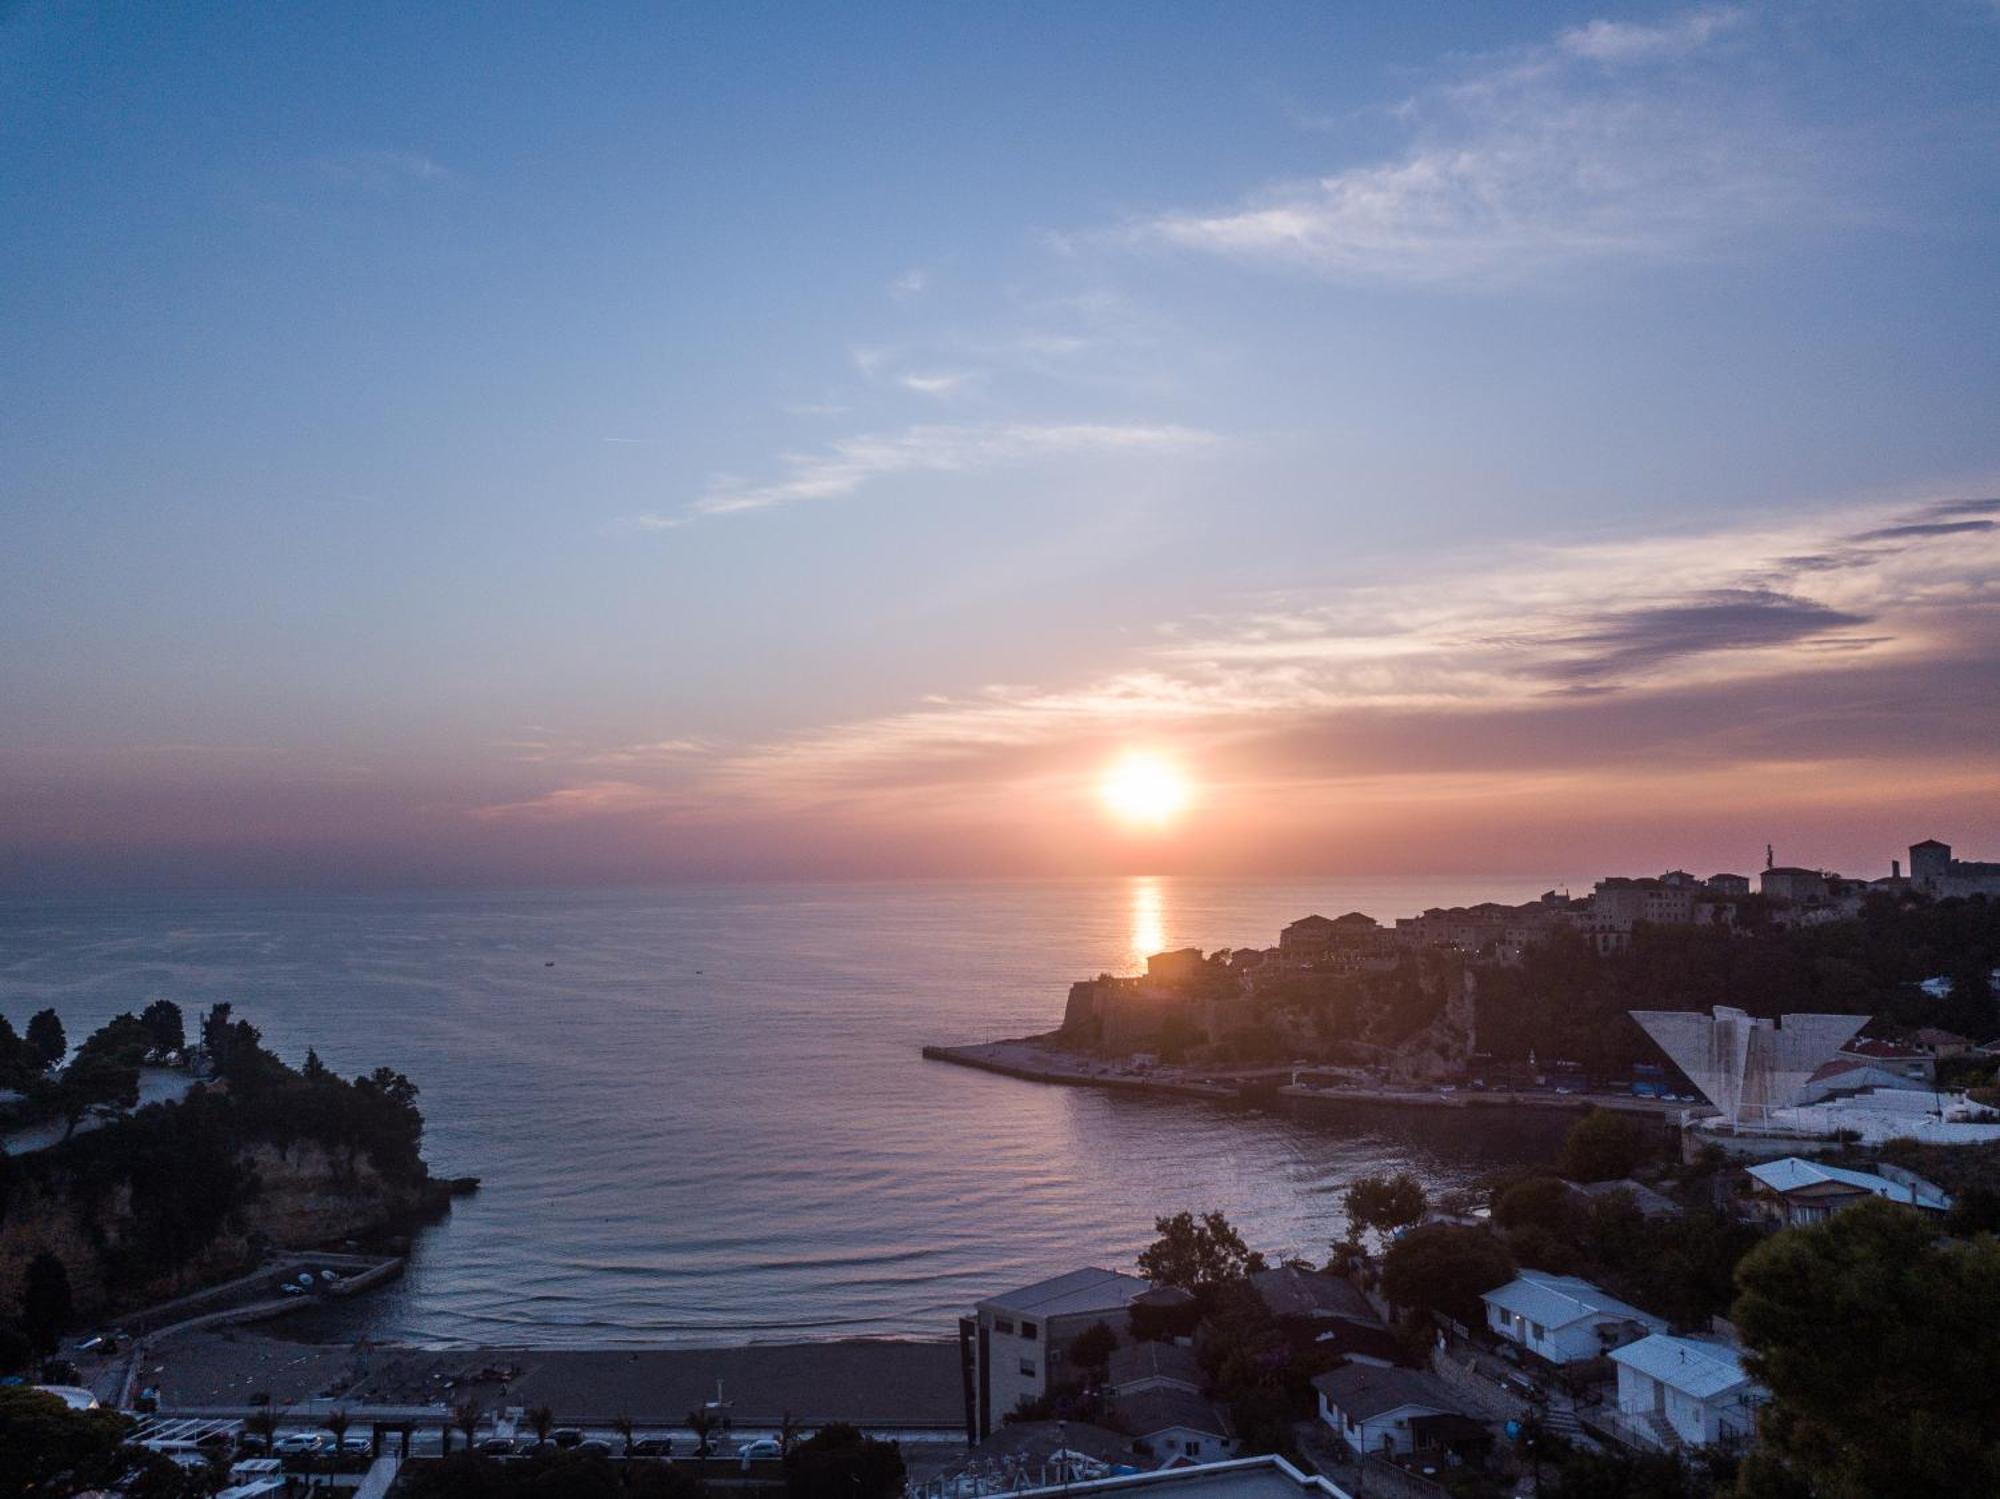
(709, 1122)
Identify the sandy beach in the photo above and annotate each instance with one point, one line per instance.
(873, 1383)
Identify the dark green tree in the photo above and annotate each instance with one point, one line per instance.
(1602, 1146)
(47, 1045)
(47, 1449)
(1870, 1335)
(838, 1462)
(46, 1308)
(1195, 1254)
(1384, 1204)
(163, 1023)
(95, 1083)
(1444, 1270)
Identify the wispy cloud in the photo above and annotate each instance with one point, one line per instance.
(911, 283)
(1630, 41)
(937, 382)
(379, 171)
(1610, 142)
(856, 462)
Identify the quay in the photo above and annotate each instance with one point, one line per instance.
(1032, 1061)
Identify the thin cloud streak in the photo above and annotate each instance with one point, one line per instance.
(854, 463)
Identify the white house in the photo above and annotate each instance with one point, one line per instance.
(1674, 1390)
(1173, 1422)
(1015, 1345)
(1382, 1410)
(1563, 1318)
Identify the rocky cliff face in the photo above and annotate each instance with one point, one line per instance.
(303, 1197)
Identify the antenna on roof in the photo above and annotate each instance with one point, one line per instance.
(1769, 858)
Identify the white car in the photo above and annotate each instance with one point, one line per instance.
(297, 1443)
(762, 1448)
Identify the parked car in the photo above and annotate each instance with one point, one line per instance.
(298, 1443)
(566, 1436)
(356, 1444)
(497, 1446)
(594, 1448)
(653, 1447)
(764, 1448)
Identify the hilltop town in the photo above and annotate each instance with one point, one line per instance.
(1499, 993)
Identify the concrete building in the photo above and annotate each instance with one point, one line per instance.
(1181, 966)
(1563, 1318)
(1015, 1346)
(1729, 884)
(1389, 1412)
(1935, 872)
(1675, 1392)
(1797, 1192)
(1798, 887)
(1744, 1066)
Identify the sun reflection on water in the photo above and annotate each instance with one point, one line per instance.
(1149, 925)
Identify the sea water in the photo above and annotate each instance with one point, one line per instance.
(700, 1115)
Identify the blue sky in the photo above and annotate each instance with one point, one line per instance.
(612, 442)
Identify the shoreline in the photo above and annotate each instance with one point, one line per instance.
(1028, 1059)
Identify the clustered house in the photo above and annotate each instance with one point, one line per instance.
(1694, 1392)
(1562, 1318)
(1794, 1192)
(1398, 1413)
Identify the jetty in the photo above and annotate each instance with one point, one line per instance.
(1034, 1060)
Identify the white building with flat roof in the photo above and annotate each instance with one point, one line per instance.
(1016, 1345)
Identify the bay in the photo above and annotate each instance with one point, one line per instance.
(699, 1113)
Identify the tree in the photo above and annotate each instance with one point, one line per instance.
(47, 1045)
(624, 1425)
(163, 1023)
(1444, 1270)
(1867, 1333)
(1602, 1146)
(263, 1422)
(1195, 1254)
(702, 1422)
(1092, 1348)
(838, 1462)
(465, 1416)
(95, 1082)
(337, 1422)
(1385, 1204)
(541, 1421)
(46, 1308)
(788, 1434)
(48, 1449)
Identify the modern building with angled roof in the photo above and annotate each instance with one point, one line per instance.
(1744, 1066)
(1676, 1391)
(1564, 1318)
(1015, 1345)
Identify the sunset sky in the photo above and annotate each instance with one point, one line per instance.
(459, 446)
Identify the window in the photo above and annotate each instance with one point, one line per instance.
(1540, 1331)
(1028, 1367)
(1028, 1331)
(1003, 1324)
(1193, 1448)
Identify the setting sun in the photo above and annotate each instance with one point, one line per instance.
(1144, 790)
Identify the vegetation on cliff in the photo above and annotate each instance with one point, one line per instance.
(157, 1200)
